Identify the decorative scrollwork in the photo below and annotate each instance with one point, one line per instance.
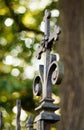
(37, 88)
(56, 71)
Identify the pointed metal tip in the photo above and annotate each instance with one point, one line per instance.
(47, 13)
(30, 120)
(29, 123)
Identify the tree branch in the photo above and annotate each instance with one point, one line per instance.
(18, 22)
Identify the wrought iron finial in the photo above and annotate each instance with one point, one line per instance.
(50, 73)
(47, 71)
(47, 42)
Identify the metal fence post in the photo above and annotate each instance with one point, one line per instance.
(1, 121)
(18, 127)
(50, 73)
(29, 123)
(9, 128)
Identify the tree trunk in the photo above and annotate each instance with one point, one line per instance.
(72, 54)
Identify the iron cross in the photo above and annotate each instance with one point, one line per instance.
(47, 42)
(49, 73)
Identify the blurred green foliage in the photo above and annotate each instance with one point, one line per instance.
(20, 33)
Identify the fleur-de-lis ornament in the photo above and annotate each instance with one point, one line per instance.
(50, 73)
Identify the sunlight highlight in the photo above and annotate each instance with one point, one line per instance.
(21, 10)
(28, 72)
(3, 41)
(15, 72)
(23, 113)
(55, 13)
(15, 51)
(33, 6)
(42, 27)
(56, 99)
(40, 4)
(10, 60)
(8, 22)
(28, 42)
(58, 112)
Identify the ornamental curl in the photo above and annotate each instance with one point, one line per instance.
(56, 71)
(37, 87)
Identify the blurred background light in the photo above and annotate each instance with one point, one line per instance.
(28, 72)
(3, 41)
(8, 22)
(21, 10)
(55, 13)
(28, 42)
(23, 113)
(42, 26)
(15, 72)
(40, 4)
(8, 60)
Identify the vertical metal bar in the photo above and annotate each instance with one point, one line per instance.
(46, 89)
(43, 125)
(47, 109)
(47, 24)
(18, 127)
(29, 124)
(40, 125)
(8, 128)
(1, 121)
(47, 126)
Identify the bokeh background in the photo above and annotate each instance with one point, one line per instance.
(21, 30)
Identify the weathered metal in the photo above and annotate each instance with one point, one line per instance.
(50, 73)
(18, 103)
(29, 123)
(1, 121)
(9, 128)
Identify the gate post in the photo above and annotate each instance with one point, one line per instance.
(49, 74)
